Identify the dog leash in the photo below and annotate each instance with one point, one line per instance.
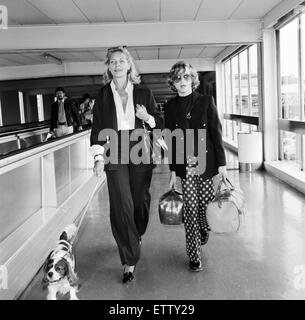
(97, 186)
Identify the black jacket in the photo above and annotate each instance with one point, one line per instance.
(70, 111)
(104, 116)
(203, 115)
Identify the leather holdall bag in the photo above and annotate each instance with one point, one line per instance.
(171, 208)
(224, 214)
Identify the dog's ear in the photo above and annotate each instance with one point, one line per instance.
(64, 236)
(71, 275)
(44, 280)
(47, 262)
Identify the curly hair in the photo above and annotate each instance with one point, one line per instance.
(176, 69)
(132, 74)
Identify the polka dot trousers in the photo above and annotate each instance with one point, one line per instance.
(197, 194)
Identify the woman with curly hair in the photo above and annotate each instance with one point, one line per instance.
(191, 110)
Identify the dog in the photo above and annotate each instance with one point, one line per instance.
(59, 274)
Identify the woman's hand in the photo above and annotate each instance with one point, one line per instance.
(142, 113)
(98, 168)
(223, 175)
(173, 180)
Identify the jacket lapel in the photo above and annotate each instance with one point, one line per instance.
(136, 96)
(110, 114)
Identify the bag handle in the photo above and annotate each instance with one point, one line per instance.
(226, 182)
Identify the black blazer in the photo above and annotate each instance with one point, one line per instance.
(204, 115)
(70, 111)
(104, 116)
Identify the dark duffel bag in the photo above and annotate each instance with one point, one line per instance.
(171, 208)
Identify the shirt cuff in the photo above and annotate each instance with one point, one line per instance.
(96, 149)
(151, 121)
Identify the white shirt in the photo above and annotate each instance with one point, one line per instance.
(126, 120)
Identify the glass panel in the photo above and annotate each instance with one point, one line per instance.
(244, 84)
(236, 128)
(1, 122)
(289, 146)
(289, 71)
(78, 163)
(253, 128)
(228, 87)
(229, 129)
(253, 80)
(245, 127)
(40, 107)
(20, 197)
(303, 59)
(235, 82)
(62, 174)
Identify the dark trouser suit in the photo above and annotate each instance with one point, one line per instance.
(129, 208)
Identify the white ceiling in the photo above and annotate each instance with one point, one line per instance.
(138, 53)
(65, 12)
(25, 12)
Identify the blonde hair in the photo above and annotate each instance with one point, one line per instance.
(176, 69)
(132, 73)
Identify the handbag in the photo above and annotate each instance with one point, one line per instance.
(224, 214)
(171, 208)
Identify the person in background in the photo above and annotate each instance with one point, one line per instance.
(63, 115)
(85, 111)
(191, 110)
(124, 105)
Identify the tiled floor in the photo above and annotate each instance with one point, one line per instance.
(265, 259)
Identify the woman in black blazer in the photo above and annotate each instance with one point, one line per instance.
(123, 106)
(191, 110)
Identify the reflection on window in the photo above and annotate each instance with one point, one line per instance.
(241, 89)
(228, 95)
(228, 132)
(1, 122)
(21, 107)
(253, 81)
(289, 143)
(289, 71)
(244, 82)
(235, 82)
(40, 107)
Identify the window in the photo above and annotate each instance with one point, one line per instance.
(235, 82)
(40, 107)
(289, 71)
(291, 66)
(253, 77)
(241, 91)
(1, 122)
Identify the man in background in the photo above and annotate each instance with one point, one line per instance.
(63, 115)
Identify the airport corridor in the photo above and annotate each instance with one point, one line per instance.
(263, 260)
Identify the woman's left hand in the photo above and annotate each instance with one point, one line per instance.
(222, 172)
(141, 112)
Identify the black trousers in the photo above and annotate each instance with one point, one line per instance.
(129, 209)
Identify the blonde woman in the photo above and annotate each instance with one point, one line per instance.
(124, 105)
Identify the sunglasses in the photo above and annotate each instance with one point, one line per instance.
(186, 77)
(115, 48)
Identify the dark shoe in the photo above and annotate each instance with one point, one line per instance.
(127, 277)
(204, 237)
(195, 266)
